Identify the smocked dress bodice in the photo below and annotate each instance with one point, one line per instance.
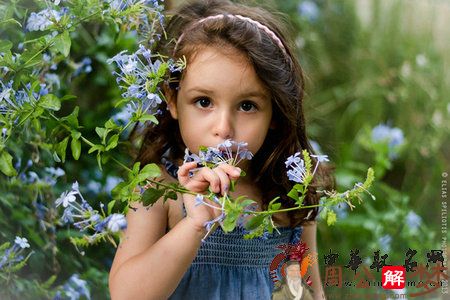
(229, 267)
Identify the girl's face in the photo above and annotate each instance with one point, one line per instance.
(221, 97)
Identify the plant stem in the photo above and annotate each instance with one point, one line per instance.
(121, 164)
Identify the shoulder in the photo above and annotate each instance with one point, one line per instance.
(145, 226)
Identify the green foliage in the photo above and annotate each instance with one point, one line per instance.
(360, 75)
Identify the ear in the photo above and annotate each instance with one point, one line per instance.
(171, 99)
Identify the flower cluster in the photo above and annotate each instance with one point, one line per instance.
(84, 217)
(42, 20)
(50, 176)
(13, 255)
(74, 288)
(392, 136)
(12, 101)
(229, 152)
(140, 77)
(296, 168)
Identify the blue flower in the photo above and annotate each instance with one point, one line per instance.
(385, 242)
(12, 254)
(73, 289)
(341, 211)
(296, 168)
(53, 175)
(321, 158)
(43, 19)
(309, 10)
(293, 159)
(83, 67)
(6, 104)
(137, 77)
(315, 147)
(117, 222)
(413, 221)
(111, 183)
(21, 242)
(66, 198)
(199, 200)
(209, 224)
(229, 151)
(392, 136)
(94, 186)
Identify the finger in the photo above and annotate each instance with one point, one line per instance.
(183, 171)
(224, 179)
(206, 174)
(232, 171)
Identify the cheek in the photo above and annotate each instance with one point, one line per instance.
(191, 131)
(256, 135)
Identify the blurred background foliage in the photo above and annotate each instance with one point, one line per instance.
(368, 63)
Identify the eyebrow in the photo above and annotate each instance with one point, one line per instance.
(245, 94)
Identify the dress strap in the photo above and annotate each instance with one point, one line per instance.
(296, 234)
(170, 167)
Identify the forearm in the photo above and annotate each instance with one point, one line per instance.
(317, 286)
(156, 272)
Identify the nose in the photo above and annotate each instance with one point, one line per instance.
(223, 125)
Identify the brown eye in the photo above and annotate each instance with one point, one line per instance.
(248, 106)
(203, 102)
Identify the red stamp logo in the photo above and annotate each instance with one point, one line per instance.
(393, 277)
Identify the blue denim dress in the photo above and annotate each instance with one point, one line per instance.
(229, 267)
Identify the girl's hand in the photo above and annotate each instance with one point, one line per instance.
(218, 179)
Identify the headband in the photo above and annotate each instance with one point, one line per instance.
(266, 29)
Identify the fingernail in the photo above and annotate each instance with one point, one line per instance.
(238, 170)
(225, 188)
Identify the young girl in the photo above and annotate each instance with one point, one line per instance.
(242, 82)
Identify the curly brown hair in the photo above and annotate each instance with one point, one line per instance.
(279, 70)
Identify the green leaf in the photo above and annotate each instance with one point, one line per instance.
(61, 147)
(102, 133)
(293, 194)
(151, 170)
(117, 190)
(246, 202)
(170, 195)
(75, 134)
(46, 285)
(5, 45)
(111, 206)
(50, 101)
(151, 195)
(299, 201)
(56, 157)
(6, 165)
(99, 148)
(75, 146)
(62, 43)
(148, 117)
(135, 169)
(254, 222)
(111, 125)
(11, 20)
(72, 119)
(68, 98)
(31, 57)
(230, 221)
(276, 206)
(112, 143)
